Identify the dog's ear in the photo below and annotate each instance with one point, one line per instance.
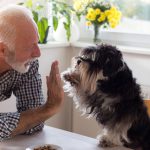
(112, 64)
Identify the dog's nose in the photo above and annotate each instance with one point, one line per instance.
(78, 62)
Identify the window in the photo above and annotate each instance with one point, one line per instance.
(136, 16)
(134, 29)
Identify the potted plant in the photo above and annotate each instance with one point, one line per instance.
(42, 22)
(63, 21)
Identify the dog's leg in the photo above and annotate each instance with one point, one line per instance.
(108, 139)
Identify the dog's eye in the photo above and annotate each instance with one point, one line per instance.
(81, 59)
(78, 62)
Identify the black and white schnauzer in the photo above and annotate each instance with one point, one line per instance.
(102, 84)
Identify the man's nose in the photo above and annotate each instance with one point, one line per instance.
(36, 52)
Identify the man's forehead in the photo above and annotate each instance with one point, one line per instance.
(27, 30)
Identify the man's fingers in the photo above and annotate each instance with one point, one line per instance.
(58, 78)
(54, 78)
(54, 70)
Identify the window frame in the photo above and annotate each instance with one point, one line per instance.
(129, 39)
(114, 36)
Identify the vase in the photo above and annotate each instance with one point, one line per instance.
(60, 34)
(96, 33)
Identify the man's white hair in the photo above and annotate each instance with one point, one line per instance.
(10, 15)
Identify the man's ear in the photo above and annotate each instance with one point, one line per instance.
(2, 49)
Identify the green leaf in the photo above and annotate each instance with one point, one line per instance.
(29, 3)
(42, 29)
(55, 23)
(35, 16)
(63, 8)
(78, 16)
(21, 3)
(68, 32)
(45, 22)
(39, 7)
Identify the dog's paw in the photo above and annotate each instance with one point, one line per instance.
(106, 143)
(66, 77)
(72, 78)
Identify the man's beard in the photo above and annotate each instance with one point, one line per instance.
(21, 67)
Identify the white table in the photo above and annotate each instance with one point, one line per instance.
(50, 135)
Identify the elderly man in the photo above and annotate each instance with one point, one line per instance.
(19, 75)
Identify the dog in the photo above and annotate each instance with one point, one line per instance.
(102, 85)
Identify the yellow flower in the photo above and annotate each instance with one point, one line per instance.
(102, 17)
(88, 23)
(91, 16)
(113, 23)
(113, 16)
(113, 9)
(107, 12)
(77, 6)
(118, 15)
(110, 16)
(97, 11)
(91, 10)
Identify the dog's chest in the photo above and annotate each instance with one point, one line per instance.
(102, 106)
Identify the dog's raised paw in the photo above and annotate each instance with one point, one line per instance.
(67, 77)
(105, 143)
(72, 78)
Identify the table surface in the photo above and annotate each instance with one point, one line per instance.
(49, 135)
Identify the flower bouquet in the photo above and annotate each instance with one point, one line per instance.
(98, 13)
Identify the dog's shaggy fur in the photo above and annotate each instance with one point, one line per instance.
(102, 84)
